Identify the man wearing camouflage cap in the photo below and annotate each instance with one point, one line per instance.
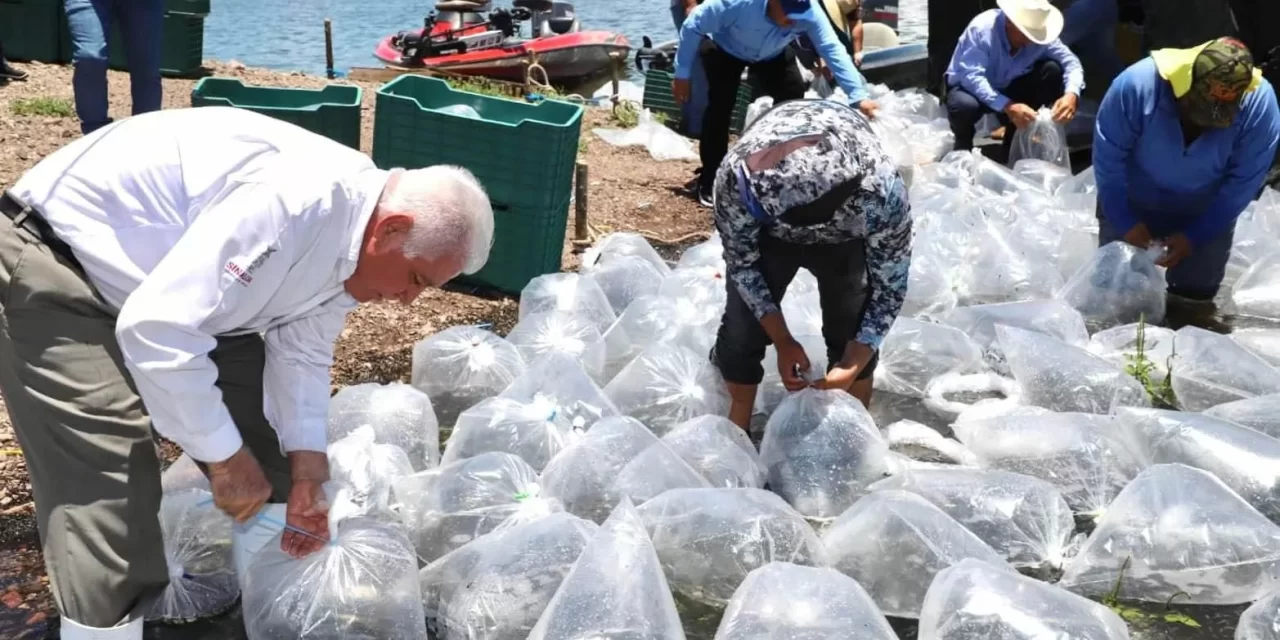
(808, 185)
(1183, 142)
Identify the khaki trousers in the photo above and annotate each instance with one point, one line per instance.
(86, 436)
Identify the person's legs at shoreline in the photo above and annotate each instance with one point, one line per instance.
(141, 25)
(89, 22)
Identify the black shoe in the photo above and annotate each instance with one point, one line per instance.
(9, 72)
(706, 196)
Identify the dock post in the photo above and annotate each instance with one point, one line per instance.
(616, 69)
(580, 183)
(328, 49)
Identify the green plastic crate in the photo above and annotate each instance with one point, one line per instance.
(29, 30)
(523, 153)
(528, 242)
(182, 44)
(333, 112)
(658, 99)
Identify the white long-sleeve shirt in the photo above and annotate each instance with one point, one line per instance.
(214, 221)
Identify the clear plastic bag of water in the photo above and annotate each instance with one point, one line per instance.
(1120, 285)
(822, 450)
(1211, 369)
(1043, 139)
(400, 415)
(368, 469)
(461, 366)
(719, 450)
(451, 505)
(535, 431)
(666, 385)
(1261, 413)
(708, 540)
(496, 587)
(197, 551)
(1062, 377)
(894, 543)
(625, 278)
(183, 474)
(1261, 621)
(568, 293)
(559, 332)
(1179, 531)
(616, 589)
(784, 600)
(1050, 317)
(1024, 519)
(972, 599)
(558, 380)
(914, 353)
(617, 458)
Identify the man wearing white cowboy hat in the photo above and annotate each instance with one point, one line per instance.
(1009, 61)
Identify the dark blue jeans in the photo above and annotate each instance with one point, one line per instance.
(141, 24)
(1197, 276)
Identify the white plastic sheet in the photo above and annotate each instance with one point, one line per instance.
(1085, 455)
(719, 450)
(451, 505)
(616, 589)
(618, 458)
(197, 551)
(894, 543)
(708, 540)
(661, 142)
(822, 450)
(666, 385)
(784, 600)
(497, 587)
(1024, 519)
(971, 600)
(1211, 369)
(1245, 460)
(1120, 285)
(461, 366)
(1062, 377)
(400, 415)
(757, 109)
(1181, 531)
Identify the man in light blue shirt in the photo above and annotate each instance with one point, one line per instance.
(1010, 62)
(755, 34)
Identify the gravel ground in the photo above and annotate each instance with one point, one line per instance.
(628, 191)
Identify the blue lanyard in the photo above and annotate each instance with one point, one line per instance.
(749, 199)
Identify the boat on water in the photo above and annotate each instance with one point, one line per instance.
(471, 38)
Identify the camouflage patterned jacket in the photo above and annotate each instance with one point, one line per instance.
(793, 155)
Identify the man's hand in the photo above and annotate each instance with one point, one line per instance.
(1139, 236)
(308, 509)
(1065, 108)
(868, 108)
(793, 363)
(842, 376)
(1177, 247)
(239, 487)
(1020, 114)
(680, 90)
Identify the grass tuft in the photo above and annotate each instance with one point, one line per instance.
(43, 107)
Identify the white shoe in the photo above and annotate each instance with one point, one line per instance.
(72, 630)
(248, 539)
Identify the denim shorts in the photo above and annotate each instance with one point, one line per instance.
(841, 271)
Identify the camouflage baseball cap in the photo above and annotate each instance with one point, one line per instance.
(1220, 76)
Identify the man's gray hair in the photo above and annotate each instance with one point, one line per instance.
(451, 213)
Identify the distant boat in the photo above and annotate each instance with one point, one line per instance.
(469, 38)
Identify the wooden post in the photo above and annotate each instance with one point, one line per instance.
(616, 69)
(328, 49)
(580, 183)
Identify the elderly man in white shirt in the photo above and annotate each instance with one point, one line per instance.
(172, 271)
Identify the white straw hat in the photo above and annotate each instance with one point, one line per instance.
(1036, 19)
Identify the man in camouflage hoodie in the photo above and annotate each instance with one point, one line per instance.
(809, 185)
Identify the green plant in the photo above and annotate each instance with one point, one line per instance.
(43, 107)
(1139, 366)
(1133, 615)
(486, 87)
(627, 114)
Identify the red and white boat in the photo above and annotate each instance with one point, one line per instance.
(466, 37)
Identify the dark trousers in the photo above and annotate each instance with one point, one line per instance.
(841, 271)
(89, 23)
(1039, 87)
(1195, 277)
(779, 77)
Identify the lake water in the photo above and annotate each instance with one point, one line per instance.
(289, 34)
